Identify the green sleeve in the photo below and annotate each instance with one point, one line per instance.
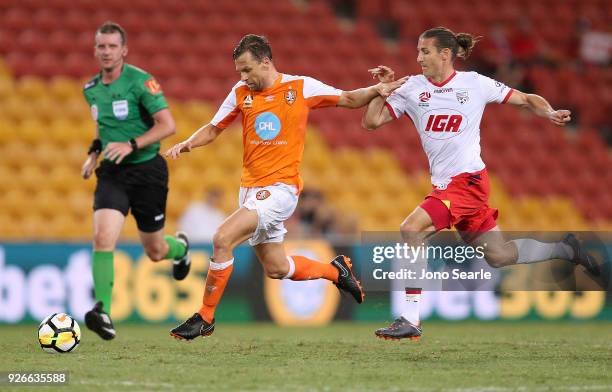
(151, 95)
(86, 97)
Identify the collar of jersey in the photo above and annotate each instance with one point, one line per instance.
(444, 82)
(120, 75)
(276, 83)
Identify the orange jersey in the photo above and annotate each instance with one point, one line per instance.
(274, 126)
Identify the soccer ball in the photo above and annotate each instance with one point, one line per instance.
(59, 333)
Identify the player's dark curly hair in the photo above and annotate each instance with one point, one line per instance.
(109, 27)
(460, 44)
(258, 45)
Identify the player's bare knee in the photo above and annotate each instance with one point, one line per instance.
(155, 252)
(103, 241)
(276, 272)
(497, 259)
(411, 232)
(221, 241)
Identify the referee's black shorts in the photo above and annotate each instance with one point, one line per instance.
(143, 187)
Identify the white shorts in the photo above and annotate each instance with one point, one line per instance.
(274, 205)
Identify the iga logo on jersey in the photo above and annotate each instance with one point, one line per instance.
(267, 126)
(443, 124)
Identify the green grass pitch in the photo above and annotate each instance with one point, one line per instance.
(458, 357)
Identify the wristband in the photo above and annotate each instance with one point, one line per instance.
(96, 146)
(133, 144)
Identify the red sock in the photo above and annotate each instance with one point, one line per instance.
(307, 269)
(216, 280)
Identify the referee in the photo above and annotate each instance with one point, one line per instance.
(131, 116)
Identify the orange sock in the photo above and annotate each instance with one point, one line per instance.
(307, 269)
(216, 280)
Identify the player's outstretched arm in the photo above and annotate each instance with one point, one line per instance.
(376, 114)
(203, 136)
(355, 99)
(540, 107)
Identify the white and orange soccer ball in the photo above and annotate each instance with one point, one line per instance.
(59, 333)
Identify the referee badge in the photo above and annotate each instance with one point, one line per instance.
(120, 109)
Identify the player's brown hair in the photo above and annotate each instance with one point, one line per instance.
(460, 44)
(258, 45)
(109, 27)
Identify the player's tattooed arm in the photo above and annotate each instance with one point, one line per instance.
(540, 107)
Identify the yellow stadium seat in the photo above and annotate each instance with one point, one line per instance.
(33, 130)
(31, 87)
(176, 205)
(75, 154)
(7, 87)
(62, 132)
(63, 89)
(130, 230)
(63, 178)
(45, 107)
(48, 203)
(17, 108)
(8, 130)
(64, 226)
(76, 109)
(348, 160)
(380, 161)
(198, 112)
(80, 203)
(46, 154)
(33, 226)
(5, 70)
(15, 201)
(31, 178)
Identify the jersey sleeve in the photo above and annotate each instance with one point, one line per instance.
(492, 90)
(397, 102)
(319, 95)
(87, 98)
(152, 97)
(227, 112)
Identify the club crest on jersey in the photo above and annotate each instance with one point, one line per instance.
(262, 195)
(248, 102)
(462, 96)
(290, 96)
